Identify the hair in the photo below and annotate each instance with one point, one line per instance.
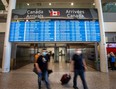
(43, 49)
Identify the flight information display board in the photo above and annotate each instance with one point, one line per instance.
(54, 30)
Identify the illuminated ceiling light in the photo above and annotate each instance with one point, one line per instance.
(72, 4)
(27, 20)
(27, 4)
(50, 4)
(94, 4)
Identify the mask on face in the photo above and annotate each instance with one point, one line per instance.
(44, 53)
(79, 52)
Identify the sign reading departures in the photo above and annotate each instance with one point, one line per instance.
(61, 25)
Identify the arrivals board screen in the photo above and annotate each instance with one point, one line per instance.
(55, 31)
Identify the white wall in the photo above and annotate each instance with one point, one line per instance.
(2, 27)
(110, 26)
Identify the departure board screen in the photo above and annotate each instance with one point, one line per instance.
(55, 31)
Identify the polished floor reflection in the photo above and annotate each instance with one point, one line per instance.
(24, 78)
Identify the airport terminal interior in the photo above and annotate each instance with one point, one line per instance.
(16, 65)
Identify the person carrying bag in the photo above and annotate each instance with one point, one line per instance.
(41, 69)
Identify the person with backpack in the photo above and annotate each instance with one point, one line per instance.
(41, 66)
(78, 66)
(37, 56)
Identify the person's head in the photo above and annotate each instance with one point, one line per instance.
(38, 53)
(111, 53)
(78, 51)
(44, 52)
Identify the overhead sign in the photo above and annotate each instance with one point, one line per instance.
(56, 13)
(111, 45)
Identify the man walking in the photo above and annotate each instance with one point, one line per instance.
(42, 69)
(78, 66)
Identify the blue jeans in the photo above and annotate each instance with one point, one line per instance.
(44, 74)
(82, 76)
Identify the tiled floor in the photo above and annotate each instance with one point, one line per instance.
(24, 78)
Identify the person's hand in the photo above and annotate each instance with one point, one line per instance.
(39, 71)
(85, 68)
(40, 74)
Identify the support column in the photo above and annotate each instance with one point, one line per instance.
(13, 56)
(97, 64)
(103, 54)
(7, 44)
(96, 52)
(65, 52)
(56, 54)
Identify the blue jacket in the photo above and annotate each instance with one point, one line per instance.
(112, 59)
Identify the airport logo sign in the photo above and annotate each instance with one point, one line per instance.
(54, 13)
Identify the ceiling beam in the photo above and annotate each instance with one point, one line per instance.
(78, 1)
(5, 3)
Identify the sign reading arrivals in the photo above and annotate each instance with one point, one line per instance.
(61, 13)
(54, 25)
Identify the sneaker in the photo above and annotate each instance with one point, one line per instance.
(49, 87)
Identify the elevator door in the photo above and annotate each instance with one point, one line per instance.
(24, 56)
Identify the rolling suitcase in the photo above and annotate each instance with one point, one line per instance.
(65, 79)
